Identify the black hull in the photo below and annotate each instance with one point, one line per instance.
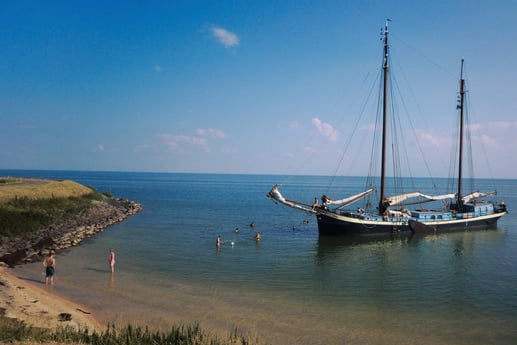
(330, 226)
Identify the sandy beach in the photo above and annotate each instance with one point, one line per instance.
(40, 305)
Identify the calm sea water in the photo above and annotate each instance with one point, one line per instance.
(293, 287)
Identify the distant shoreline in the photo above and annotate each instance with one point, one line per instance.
(281, 176)
(35, 305)
(68, 233)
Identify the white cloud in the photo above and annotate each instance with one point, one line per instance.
(371, 127)
(488, 141)
(293, 125)
(493, 135)
(184, 143)
(496, 134)
(230, 150)
(310, 149)
(100, 148)
(325, 129)
(157, 68)
(141, 148)
(435, 139)
(505, 125)
(211, 132)
(225, 37)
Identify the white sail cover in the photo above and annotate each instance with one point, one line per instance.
(398, 199)
(275, 194)
(476, 195)
(350, 200)
(393, 200)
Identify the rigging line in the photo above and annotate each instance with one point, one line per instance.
(372, 69)
(483, 148)
(445, 70)
(312, 153)
(375, 148)
(354, 130)
(399, 145)
(469, 152)
(407, 113)
(374, 152)
(304, 163)
(454, 161)
(398, 142)
(395, 158)
(414, 133)
(468, 134)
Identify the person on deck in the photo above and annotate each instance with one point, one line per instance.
(315, 203)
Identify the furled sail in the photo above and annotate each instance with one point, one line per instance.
(348, 201)
(398, 199)
(275, 194)
(476, 195)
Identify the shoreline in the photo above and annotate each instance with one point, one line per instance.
(104, 213)
(31, 301)
(42, 306)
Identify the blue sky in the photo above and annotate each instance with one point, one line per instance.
(266, 87)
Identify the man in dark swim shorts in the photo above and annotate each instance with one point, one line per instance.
(49, 263)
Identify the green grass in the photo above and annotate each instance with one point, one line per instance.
(32, 188)
(27, 204)
(10, 180)
(15, 331)
(22, 216)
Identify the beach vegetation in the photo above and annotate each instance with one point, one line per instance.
(10, 180)
(12, 331)
(28, 205)
(21, 216)
(107, 194)
(40, 189)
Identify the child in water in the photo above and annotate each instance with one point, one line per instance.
(111, 260)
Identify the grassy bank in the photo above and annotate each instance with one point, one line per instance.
(21, 216)
(34, 189)
(27, 205)
(13, 331)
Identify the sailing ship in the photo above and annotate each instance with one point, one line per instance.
(389, 215)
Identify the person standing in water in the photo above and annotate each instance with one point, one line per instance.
(49, 263)
(111, 260)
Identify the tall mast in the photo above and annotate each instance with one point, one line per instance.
(459, 202)
(385, 69)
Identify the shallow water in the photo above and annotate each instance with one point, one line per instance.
(293, 287)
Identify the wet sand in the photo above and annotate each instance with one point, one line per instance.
(39, 305)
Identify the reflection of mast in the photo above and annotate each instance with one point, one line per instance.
(385, 69)
(459, 201)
